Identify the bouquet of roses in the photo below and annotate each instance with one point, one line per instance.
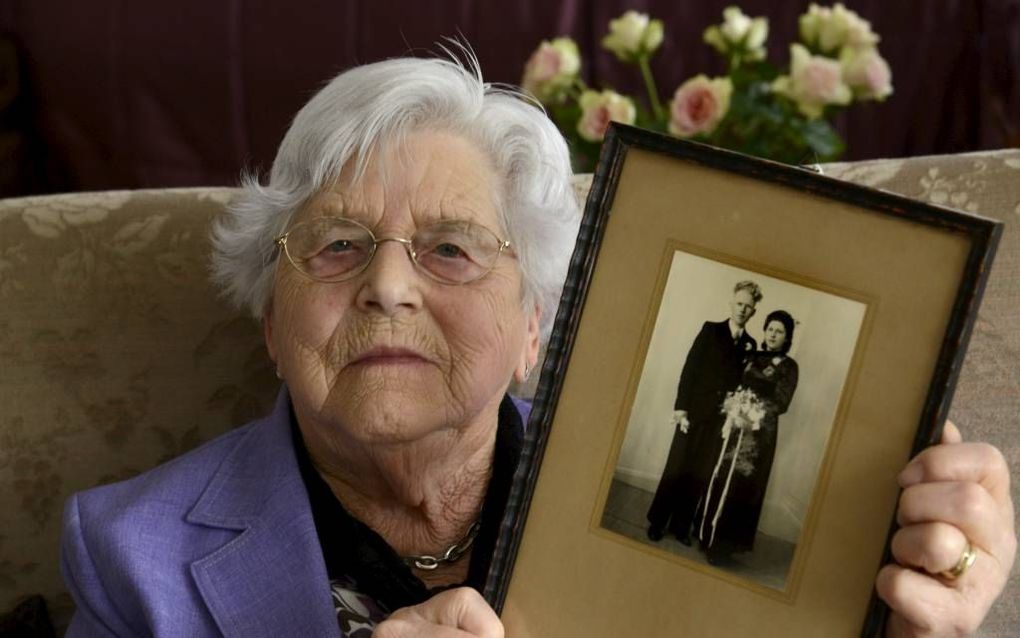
(756, 108)
(743, 410)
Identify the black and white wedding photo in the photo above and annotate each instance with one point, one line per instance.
(732, 414)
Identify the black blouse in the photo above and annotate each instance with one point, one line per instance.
(354, 552)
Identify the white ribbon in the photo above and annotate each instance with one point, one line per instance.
(727, 430)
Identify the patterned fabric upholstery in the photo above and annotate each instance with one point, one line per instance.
(116, 353)
(116, 356)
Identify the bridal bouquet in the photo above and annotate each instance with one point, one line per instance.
(743, 410)
(780, 113)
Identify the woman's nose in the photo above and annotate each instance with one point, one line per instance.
(390, 283)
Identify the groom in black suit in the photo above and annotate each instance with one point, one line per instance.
(713, 367)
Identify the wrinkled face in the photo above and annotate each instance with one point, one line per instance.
(391, 355)
(741, 307)
(775, 336)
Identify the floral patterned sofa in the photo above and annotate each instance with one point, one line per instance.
(116, 354)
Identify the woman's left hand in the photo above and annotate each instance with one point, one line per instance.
(954, 493)
(454, 613)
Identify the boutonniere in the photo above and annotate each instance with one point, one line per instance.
(747, 346)
(769, 371)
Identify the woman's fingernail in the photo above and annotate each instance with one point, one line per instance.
(911, 474)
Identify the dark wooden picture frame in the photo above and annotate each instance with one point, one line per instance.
(646, 187)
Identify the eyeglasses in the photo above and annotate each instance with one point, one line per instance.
(335, 249)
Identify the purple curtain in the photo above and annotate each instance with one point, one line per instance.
(120, 94)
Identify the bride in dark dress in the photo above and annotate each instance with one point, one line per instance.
(728, 518)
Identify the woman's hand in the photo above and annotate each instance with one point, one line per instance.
(455, 613)
(954, 493)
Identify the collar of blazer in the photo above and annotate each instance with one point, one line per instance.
(271, 579)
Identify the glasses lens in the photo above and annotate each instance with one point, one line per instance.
(456, 252)
(330, 248)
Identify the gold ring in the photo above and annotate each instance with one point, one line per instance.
(967, 559)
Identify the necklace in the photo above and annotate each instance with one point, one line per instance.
(451, 555)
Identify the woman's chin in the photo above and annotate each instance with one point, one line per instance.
(386, 427)
(397, 408)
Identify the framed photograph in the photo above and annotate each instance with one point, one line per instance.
(745, 356)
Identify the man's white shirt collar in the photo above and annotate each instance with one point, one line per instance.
(735, 331)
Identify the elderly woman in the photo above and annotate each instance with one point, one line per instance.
(405, 260)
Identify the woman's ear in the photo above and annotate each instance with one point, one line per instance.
(532, 343)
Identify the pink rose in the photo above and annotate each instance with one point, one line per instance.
(699, 105)
(867, 73)
(598, 109)
(814, 82)
(551, 69)
(543, 65)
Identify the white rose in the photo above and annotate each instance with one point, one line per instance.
(714, 37)
(856, 30)
(866, 73)
(831, 28)
(653, 36)
(814, 82)
(754, 48)
(551, 69)
(698, 106)
(633, 34)
(735, 25)
(598, 109)
(739, 34)
(810, 24)
(757, 34)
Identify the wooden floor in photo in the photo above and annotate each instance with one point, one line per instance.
(625, 511)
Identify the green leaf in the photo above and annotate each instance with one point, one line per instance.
(821, 138)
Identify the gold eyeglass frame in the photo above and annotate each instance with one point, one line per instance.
(408, 244)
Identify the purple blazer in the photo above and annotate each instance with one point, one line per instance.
(220, 541)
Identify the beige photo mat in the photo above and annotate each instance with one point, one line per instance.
(572, 578)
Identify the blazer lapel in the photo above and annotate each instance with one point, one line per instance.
(271, 579)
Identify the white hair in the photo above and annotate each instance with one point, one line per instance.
(374, 104)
